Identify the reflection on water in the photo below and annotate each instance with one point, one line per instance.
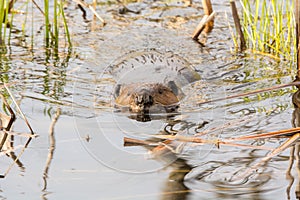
(175, 187)
(193, 170)
(294, 152)
(11, 142)
(167, 153)
(52, 145)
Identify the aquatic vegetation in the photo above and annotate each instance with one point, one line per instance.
(52, 30)
(4, 5)
(54, 19)
(268, 27)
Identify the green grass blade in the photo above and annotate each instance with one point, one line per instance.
(65, 24)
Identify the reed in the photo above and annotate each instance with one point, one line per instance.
(52, 32)
(65, 25)
(268, 26)
(47, 23)
(55, 23)
(53, 19)
(3, 21)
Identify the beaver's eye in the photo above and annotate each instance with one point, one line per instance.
(160, 91)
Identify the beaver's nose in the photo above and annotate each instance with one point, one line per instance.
(143, 99)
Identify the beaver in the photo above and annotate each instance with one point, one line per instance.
(153, 82)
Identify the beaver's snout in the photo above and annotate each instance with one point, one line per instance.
(143, 100)
(146, 97)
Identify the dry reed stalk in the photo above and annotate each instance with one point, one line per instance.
(252, 92)
(135, 142)
(38, 7)
(207, 22)
(19, 109)
(15, 160)
(83, 4)
(267, 135)
(27, 135)
(273, 153)
(297, 19)
(159, 147)
(226, 125)
(6, 121)
(208, 10)
(201, 26)
(238, 25)
(216, 142)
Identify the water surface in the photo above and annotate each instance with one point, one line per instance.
(84, 156)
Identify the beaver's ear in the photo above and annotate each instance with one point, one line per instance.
(173, 87)
(117, 90)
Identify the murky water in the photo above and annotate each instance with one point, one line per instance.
(80, 152)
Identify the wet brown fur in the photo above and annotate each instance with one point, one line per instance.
(160, 95)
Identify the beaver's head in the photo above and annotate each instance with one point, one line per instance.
(146, 96)
(141, 100)
(142, 97)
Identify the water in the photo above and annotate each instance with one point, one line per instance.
(84, 156)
